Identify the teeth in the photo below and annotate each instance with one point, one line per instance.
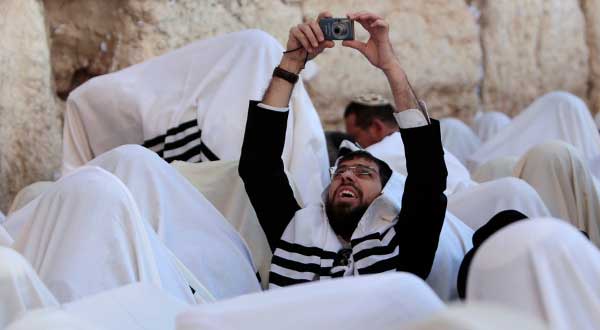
(347, 193)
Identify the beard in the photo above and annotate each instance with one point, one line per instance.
(344, 218)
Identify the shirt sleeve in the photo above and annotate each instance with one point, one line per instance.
(269, 107)
(411, 118)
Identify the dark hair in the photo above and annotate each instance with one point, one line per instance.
(365, 114)
(385, 172)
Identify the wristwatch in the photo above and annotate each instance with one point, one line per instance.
(290, 77)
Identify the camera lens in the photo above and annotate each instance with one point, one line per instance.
(340, 30)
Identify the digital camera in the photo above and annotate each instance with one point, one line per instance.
(337, 28)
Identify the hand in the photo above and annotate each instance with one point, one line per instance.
(310, 40)
(378, 49)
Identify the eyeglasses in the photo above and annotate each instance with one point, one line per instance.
(360, 171)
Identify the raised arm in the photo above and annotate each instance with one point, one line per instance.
(261, 167)
(423, 203)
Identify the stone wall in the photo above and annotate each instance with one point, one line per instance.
(461, 55)
(30, 125)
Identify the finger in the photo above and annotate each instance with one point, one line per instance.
(317, 30)
(301, 38)
(324, 14)
(358, 45)
(309, 34)
(354, 15)
(326, 44)
(379, 23)
(368, 16)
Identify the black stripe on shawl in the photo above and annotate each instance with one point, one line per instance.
(378, 250)
(281, 280)
(301, 267)
(381, 266)
(182, 142)
(378, 236)
(306, 251)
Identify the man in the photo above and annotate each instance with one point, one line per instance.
(365, 224)
(370, 122)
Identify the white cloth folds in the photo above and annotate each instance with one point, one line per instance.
(208, 83)
(220, 183)
(86, 235)
(51, 319)
(498, 168)
(28, 194)
(459, 138)
(5, 239)
(384, 301)
(559, 174)
(545, 268)
(187, 223)
(20, 288)
(477, 205)
(488, 124)
(138, 306)
(478, 317)
(554, 116)
(391, 151)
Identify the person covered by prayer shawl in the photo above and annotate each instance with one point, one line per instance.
(370, 122)
(370, 220)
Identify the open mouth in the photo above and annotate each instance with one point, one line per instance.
(347, 192)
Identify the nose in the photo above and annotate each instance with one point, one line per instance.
(347, 175)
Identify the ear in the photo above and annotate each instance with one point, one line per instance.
(378, 129)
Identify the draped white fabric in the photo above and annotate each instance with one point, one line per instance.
(478, 316)
(477, 205)
(28, 194)
(455, 241)
(559, 174)
(498, 168)
(459, 138)
(86, 235)
(220, 183)
(138, 306)
(488, 124)
(2, 217)
(385, 301)
(556, 115)
(210, 81)
(52, 319)
(20, 288)
(391, 151)
(597, 120)
(187, 223)
(545, 268)
(5, 239)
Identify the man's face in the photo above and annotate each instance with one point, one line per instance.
(355, 183)
(364, 137)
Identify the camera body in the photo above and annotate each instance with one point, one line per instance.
(337, 28)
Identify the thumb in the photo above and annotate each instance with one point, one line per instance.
(358, 45)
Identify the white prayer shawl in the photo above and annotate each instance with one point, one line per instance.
(498, 168)
(310, 228)
(488, 124)
(2, 217)
(477, 205)
(51, 319)
(458, 138)
(559, 174)
(220, 183)
(545, 268)
(20, 288)
(138, 306)
(384, 302)
(554, 116)
(5, 239)
(187, 223)
(478, 316)
(86, 235)
(191, 104)
(597, 120)
(391, 151)
(28, 194)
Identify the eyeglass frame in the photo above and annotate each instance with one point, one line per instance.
(334, 169)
